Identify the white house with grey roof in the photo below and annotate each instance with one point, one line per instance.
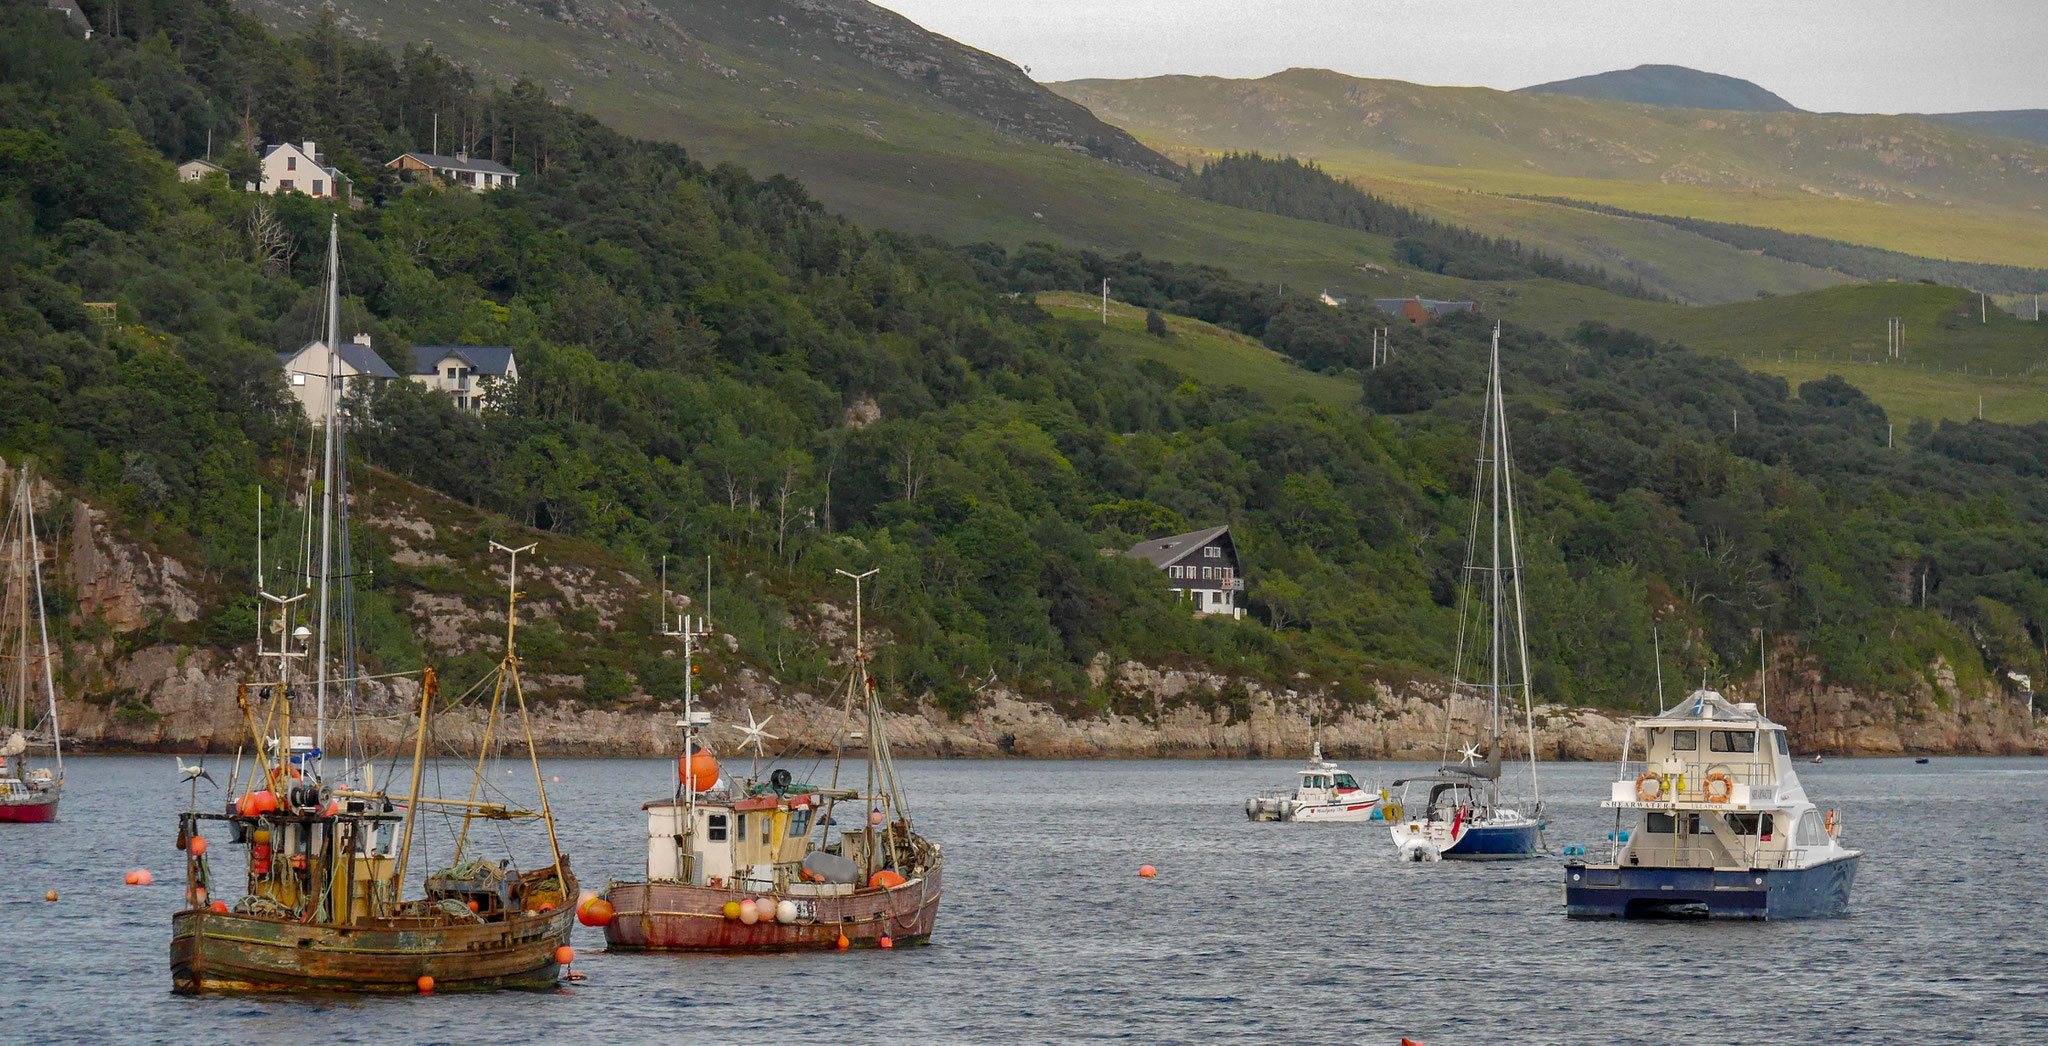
(470, 374)
(1200, 566)
(356, 367)
(299, 167)
(470, 172)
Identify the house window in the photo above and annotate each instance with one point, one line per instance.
(285, 185)
(291, 163)
(1213, 552)
(319, 187)
(716, 828)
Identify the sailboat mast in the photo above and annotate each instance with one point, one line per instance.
(1492, 426)
(35, 549)
(327, 479)
(1515, 564)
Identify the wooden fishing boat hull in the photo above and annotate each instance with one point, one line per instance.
(234, 952)
(667, 916)
(41, 809)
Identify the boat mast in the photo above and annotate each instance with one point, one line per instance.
(1515, 563)
(35, 550)
(19, 564)
(1492, 430)
(327, 484)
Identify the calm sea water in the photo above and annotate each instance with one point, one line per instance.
(1254, 932)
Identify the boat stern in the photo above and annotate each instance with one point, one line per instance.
(1628, 892)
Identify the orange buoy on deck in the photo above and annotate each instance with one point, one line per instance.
(426, 985)
(700, 772)
(220, 907)
(886, 879)
(1148, 872)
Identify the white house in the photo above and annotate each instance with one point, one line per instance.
(462, 169)
(299, 167)
(469, 374)
(1200, 567)
(356, 366)
(194, 170)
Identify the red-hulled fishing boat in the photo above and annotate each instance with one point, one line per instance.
(763, 865)
(28, 793)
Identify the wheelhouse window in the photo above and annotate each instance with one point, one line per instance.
(1346, 781)
(1750, 824)
(1732, 740)
(715, 828)
(799, 823)
(1783, 748)
(1811, 831)
(1685, 740)
(1659, 824)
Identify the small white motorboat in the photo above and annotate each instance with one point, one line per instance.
(1325, 793)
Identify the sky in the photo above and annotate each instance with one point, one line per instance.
(1825, 55)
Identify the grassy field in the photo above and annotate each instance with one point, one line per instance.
(1908, 393)
(1205, 353)
(1903, 183)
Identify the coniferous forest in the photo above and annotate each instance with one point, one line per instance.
(700, 349)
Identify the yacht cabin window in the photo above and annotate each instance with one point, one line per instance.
(1346, 781)
(1750, 824)
(1811, 832)
(1660, 824)
(1685, 740)
(715, 828)
(1783, 748)
(1732, 740)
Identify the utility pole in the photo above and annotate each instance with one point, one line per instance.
(1887, 435)
(1983, 309)
(1105, 302)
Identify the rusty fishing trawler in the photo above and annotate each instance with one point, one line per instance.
(28, 793)
(315, 898)
(764, 864)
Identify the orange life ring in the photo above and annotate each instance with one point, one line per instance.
(1650, 786)
(1832, 823)
(1727, 790)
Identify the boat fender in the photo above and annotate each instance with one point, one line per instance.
(1649, 786)
(1391, 813)
(1725, 790)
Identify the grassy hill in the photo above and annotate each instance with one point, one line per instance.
(1203, 352)
(1670, 85)
(1903, 183)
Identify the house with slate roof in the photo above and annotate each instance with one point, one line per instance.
(1422, 310)
(1201, 567)
(299, 167)
(194, 170)
(357, 367)
(477, 175)
(469, 374)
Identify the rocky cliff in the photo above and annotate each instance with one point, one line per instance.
(123, 688)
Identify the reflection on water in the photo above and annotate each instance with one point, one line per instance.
(1264, 932)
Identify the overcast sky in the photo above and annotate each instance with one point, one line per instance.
(1829, 55)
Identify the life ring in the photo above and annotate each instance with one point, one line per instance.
(1390, 812)
(1649, 786)
(1726, 791)
(1832, 823)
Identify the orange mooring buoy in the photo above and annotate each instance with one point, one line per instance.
(887, 941)
(843, 942)
(565, 955)
(1148, 872)
(426, 985)
(138, 877)
(52, 895)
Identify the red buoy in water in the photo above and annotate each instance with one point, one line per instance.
(51, 896)
(138, 877)
(595, 912)
(1148, 872)
(426, 985)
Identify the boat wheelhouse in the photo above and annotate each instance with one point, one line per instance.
(1324, 793)
(1712, 822)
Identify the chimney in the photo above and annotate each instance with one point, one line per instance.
(361, 339)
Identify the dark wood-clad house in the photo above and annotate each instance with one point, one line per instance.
(1200, 566)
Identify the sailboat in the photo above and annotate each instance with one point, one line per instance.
(1464, 815)
(28, 793)
(764, 864)
(315, 899)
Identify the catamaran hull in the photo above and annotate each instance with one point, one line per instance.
(663, 916)
(233, 952)
(40, 810)
(1628, 892)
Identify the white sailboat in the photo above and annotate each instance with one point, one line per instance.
(1464, 815)
(28, 794)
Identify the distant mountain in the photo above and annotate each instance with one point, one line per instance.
(2025, 124)
(1670, 85)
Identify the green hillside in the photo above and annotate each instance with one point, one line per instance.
(1903, 183)
(1202, 351)
(1669, 85)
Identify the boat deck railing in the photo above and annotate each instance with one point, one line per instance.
(1705, 852)
(1690, 786)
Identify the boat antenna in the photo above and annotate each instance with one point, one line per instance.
(1763, 671)
(1657, 654)
(333, 417)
